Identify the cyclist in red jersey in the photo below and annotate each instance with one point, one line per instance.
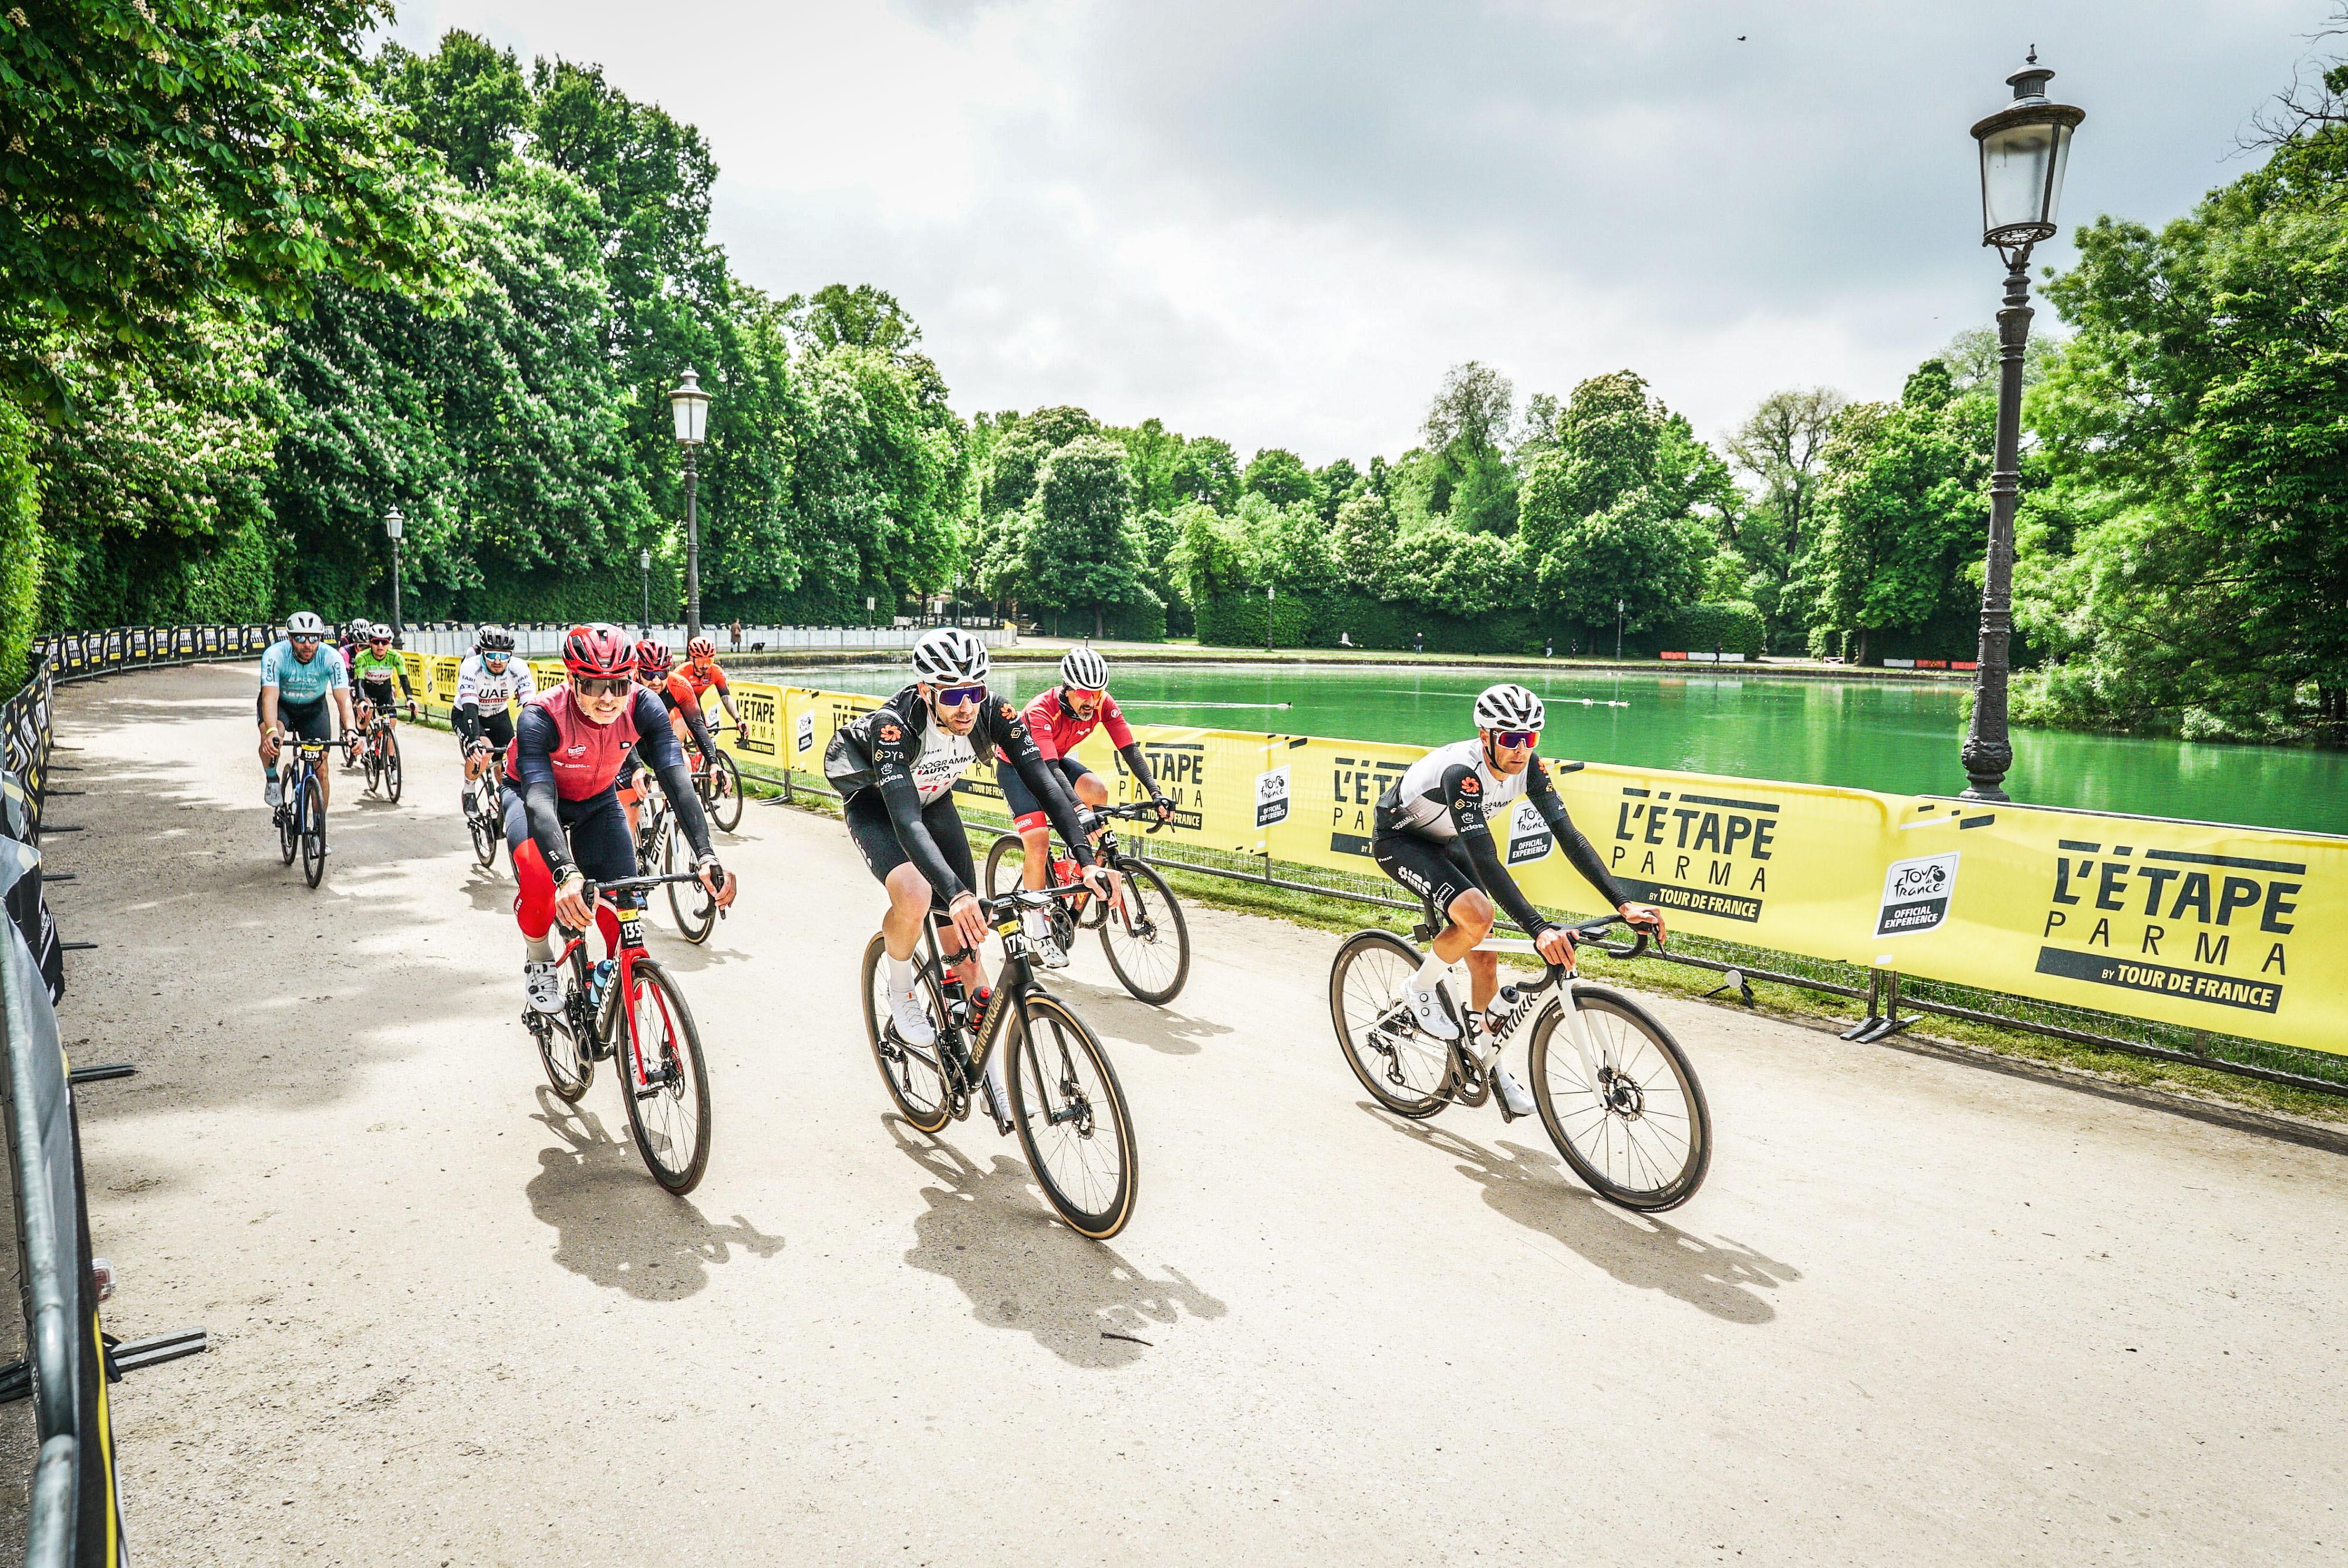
(699, 673)
(561, 769)
(1060, 720)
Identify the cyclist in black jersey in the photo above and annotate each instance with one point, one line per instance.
(1431, 834)
(895, 769)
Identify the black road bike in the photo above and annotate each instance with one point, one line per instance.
(1614, 1089)
(380, 752)
(1143, 931)
(718, 780)
(1065, 1102)
(630, 1008)
(662, 850)
(301, 813)
(485, 812)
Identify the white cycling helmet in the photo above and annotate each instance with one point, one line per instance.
(950, 656)
(305, 624)
(1508, 707)
(494, 640)
(380, 631)
(1085, 669)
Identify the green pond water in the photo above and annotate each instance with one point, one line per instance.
(1871, 735)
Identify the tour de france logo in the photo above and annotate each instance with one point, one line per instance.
(1916, 894)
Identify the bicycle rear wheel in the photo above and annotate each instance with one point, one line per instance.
(724, 792)
(485, 838)
(1405, 1068)
(570, 1068)
(669, 1108)
(1004, 858)
(693, 906)
(289, 825)
(1072, 1117)
(1640, 1135)
(313, 830)
(910, 1071)
(391, 773)
(1148, 941)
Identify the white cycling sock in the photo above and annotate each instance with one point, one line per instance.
(1431, 971)
(900, 974)
(538, 949)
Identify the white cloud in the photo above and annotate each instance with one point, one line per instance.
(1278, 223)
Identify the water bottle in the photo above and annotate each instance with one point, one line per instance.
(597, 979)
(1507, 1011)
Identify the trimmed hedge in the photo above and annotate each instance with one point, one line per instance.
(1735, 627)
(1317, 620)
(20, 544)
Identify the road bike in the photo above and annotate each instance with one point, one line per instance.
(662, 850)
(1065, 1102)
(717, 778)
(663, 1081)
(1143, 933)
(301, 813)
(485, 810)
(379, 753)
(1614, 1089)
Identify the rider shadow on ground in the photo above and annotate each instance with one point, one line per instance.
(990, 1233)
(1167, 1032)
(1531, 1186)
(614, 1225)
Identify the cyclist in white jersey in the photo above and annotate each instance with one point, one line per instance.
(489, 678)
(1432, 835)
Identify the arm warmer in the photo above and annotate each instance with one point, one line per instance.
(467, 718)
(1131, 752)
(1463, 798)
(535, 738)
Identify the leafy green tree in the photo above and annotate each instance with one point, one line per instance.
(863, 317)
(1466, 426)
(1056, 428)
(1208, 471)
(1153, 455)
(468, 100)
(169, 160)
(1083, 547)
(1335, 484)
(1361, 544)
(1280, 477)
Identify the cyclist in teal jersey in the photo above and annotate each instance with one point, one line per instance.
(299, 676)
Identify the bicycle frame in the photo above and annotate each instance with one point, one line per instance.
(1564, 979)
(1014, 984)
(630, 947)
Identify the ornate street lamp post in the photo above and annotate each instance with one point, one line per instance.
(690, 404)
(394, 525)
(2025, 148)
(644, 561)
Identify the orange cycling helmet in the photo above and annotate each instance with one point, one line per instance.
(702, 648)
(652, 658)
(598, 652)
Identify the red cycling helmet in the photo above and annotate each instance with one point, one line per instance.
(652, 658)
(702, 648)
(600, 651)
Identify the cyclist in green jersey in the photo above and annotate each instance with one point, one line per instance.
(374, 670)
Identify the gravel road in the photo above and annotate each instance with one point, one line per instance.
(1922, 1313)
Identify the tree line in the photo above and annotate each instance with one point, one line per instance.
(265, 284)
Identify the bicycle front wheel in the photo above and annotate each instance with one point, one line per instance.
(666, 1087)
(313, 830)
(1405, 1068)
(725, 792)
(485, 835)
(391, 774)
(910, 1071)
(1004, 858)
(1148, 941)
(691, 905)
(1072, 1117)
(289, 824)
(1632, 1123)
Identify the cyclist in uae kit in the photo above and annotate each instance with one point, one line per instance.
(1060, 721)
(1431, 834)
(489, 677)
(685, 717)
(374, 671)
(895, 769)
(300, 675)
(560, 797)
(700, 671)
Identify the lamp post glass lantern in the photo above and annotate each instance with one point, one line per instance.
(2025, 148)
(394, 526)
(689, 405)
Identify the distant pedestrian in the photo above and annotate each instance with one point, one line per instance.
(1418, 642)
(736, 630)
(1345, 639)
(1549, 648)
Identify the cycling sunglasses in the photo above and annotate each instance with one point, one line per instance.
(1513, 738)
(961, 695)
(314, 642)
(1085, 693)
(378, 642)
(603, 685)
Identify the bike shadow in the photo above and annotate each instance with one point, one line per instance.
(1531, 1186)
(989, 1232)
(1168, 1033)
(614, 1225)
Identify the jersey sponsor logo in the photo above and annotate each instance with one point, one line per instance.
(1471, 785)
(890, 735)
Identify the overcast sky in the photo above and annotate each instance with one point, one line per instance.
(1280, 223)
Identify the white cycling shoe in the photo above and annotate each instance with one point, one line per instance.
(1426, 1010)
(1515, 1101)
(998, 1099)
(912, 1019)
(543, 983)
(272, 794)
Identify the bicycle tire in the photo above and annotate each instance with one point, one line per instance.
(1687, 1173)
(678, 1176)
(683, 897)
(1107, 1207)
(905, 1068)
(569, 1069)
(392, 775)
(1004, 859)
(1143, 885)
(1358, 1001)
(289, 843)
(485, 838)
(313, 830)
(725, 792)
(373, 765)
